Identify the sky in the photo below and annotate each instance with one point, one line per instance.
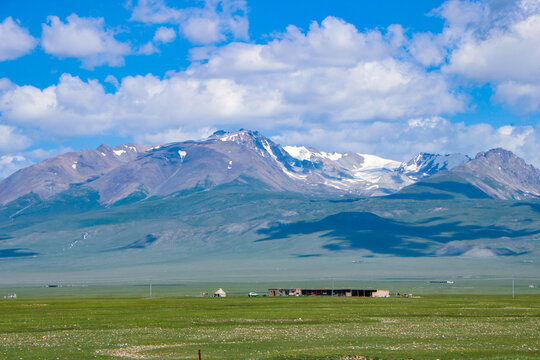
(390, 77)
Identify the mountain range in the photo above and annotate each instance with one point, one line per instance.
(239, 206)
(137, 172)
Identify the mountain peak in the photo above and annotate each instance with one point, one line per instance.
(498, 153)
(425, 164)
(495, 151)
(502, 174)
(502, 158)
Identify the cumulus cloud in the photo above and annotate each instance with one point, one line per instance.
(174, 135)
(12, 139)
(87, 39)
(16, 40)
(71, 104)
(497, 42)
(148, 49)
(504, 54)
(216, 21)
(164, 35)
(156, 12)
(332, 73)
(521, 96)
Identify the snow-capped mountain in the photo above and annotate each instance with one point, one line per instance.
(141, 171)
(350, 172)
(425, 165)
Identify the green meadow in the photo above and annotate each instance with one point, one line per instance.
(459, 326)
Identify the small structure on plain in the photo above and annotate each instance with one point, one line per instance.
(220, 293)
(329, 292)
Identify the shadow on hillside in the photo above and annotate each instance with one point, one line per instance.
(17, 252)
(364, 230)
(451, 190)
(533, 206)
(137, 244)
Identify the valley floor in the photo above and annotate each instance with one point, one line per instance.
(238, 327)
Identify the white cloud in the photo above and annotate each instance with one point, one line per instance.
(148, 49)
(155, 11)
(461, 15)
(203, 30)
(6, 84)
(112, 80)
(174, 135)
(333, 73)
(68, 108)
(84, 38)
(428, 49)
(216, 21)
(498, 43)
(164, 35)
(505, 54)
(523, 97)
(12, 139)
(15, 41)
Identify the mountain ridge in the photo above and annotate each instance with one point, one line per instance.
(136, 172)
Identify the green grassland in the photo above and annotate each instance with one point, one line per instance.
(495, 286)
(238, 327)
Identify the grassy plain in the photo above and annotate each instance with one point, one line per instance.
(238, 327)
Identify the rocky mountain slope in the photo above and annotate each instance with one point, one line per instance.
(496, 174)
(502, 175)
(135, 172)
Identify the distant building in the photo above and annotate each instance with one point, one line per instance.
(284, 292)
(11, 296)
(220, 293)
(329, 292)
(381, 293)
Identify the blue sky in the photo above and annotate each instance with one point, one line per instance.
(389, 77)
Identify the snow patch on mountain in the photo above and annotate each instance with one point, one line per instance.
(299, 152)
(424, 165)
(375, 162)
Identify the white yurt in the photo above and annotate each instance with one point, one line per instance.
(220, 293)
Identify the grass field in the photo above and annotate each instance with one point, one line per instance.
(238, 327)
